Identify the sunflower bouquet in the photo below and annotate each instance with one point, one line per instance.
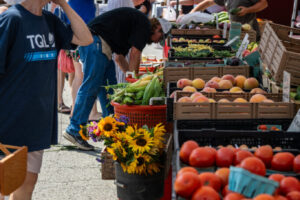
(138, 150)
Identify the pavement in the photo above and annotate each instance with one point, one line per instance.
(70, 174)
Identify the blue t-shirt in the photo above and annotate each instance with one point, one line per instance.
(29, 45)
(85, 9)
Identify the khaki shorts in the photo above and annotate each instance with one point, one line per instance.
(34, 161)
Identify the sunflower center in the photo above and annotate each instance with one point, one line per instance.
(141, 161)
(107, 127)
(141, 142)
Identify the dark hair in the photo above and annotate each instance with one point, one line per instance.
(154, 24)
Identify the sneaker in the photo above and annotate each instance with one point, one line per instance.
(78, 141)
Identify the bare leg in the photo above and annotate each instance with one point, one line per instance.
(60, 86)
(71, 79)
(25, 191)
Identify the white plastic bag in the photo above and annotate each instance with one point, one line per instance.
(169, 14)
(197, 17)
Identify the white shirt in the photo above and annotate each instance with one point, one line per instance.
(113, 4)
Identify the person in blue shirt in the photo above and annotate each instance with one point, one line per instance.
(29, 41)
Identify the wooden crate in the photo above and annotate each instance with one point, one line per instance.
(251, 33)
(173, 74)
(281, 52)
(195, 111)
(196, 32)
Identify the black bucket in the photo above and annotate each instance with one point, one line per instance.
(139, 187)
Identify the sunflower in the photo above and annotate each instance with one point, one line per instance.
(83, 135)
(112, 152)
(132, 167)
(141, 143)
(107, 126)
(153, 168)
(119, 147)
(142, 160)
(130, 130)
(159, 131)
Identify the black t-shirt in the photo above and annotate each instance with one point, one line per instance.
(187, 9)
(122, 28)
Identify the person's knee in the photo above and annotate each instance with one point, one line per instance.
(30, 181)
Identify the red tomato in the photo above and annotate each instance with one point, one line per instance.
(254, 165)
(279, 197)
(264, 197)
(233, 196)
(186, 184)
(289, 184)
(226, 191)
(186, 150)
(216, 37)
(223, 174)
(263, 127)
(265, 153)
(206, 193)
(202, 157)
(224, 157)
(241, 155)
(297, 164)
(276, 177)
(210, 179)
(283, 161)
(187, 169)
(295, 195)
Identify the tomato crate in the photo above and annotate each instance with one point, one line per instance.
(280, 52)
(238, 124)
(173, 74)
(201, 111)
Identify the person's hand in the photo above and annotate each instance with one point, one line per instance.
(2, 9)
(244, 11)
(137, 2)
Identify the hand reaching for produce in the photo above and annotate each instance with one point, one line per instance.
(243, 11)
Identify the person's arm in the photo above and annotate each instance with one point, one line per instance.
(122, 62)
(203, 5)
(82, 35)
(259, 6)
(2, 9)
(182, 2)
(135, 59)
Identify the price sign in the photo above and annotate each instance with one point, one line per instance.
(225, 30)
(286, 86)
(243, 46)
(231, 41)
(295, 125)
(217, 22)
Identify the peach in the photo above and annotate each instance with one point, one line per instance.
(250, 83)
(215, 79)
(211, 101)
(225, 84)
(189, 89)
(268, 101)
(200, 99)
(212, 84)
(224, 101)
(173, 93)
(240, 100)
(257, 98)
(258, 91)
(198, 83)
(229, 77)
(196, 94)
(184, 100)
(209, 90)
(184, 82)
(236, 90)
(240, 80)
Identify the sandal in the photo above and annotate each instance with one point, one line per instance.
(62, 108)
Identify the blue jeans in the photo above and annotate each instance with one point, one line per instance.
(98, 71)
